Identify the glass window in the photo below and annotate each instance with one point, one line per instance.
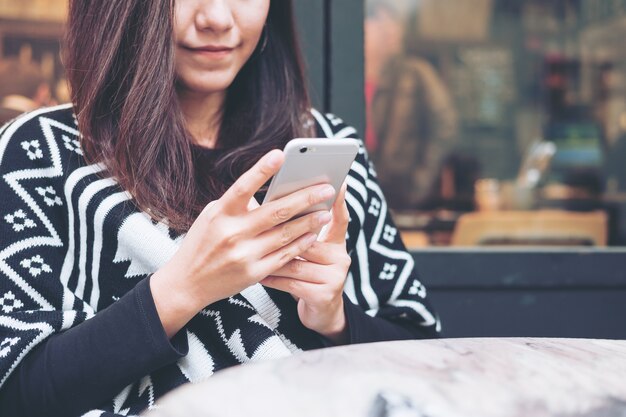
(499, 122)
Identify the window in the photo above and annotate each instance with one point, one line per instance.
(499, 122)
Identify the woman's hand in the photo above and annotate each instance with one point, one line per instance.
(232, 246)
(318, 278)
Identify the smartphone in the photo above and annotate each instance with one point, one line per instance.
(310, 162)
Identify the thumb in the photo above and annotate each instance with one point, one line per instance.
(208, 206)
(336, 230)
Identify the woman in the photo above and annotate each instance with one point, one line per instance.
(135, 256)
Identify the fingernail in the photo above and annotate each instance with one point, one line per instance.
(310, 239)
(327, 192)
(324, 218)
(274, 159)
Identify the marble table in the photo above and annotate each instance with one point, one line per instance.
(434, 378)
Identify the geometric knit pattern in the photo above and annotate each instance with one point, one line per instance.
(72, 243)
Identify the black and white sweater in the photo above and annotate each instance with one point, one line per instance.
(76, 253)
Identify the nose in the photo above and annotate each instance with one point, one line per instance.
(214, 16)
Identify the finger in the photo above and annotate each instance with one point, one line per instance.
(324, 253)
(303, 271)
(284, 234)
(237, 197)
(327, 254)
(286, 208)
(336, 232)
(208, 207)
(211, 204)
(279, 258)
(299, 289)
(253, 204)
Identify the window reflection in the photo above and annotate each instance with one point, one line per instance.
(514, 109)
(412, 126)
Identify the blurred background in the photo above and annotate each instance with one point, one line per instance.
(498, 132)
(499, 122)
(31, 73)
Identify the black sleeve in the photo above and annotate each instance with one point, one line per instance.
(77, 370)
(364, 328)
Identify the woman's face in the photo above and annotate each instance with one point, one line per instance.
(214, 39)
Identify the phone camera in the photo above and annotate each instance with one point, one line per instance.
(304, 149)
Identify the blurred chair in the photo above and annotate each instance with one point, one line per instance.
(531, 228)
(414, 239)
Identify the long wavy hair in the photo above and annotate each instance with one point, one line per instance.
(119, 57)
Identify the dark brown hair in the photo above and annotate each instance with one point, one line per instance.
(119, 56)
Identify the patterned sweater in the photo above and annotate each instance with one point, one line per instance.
(73, 244)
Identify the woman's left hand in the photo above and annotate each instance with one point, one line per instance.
(317, 279)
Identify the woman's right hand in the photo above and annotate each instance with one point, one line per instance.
(231, 246)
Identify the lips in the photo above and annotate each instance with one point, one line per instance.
(210, 48)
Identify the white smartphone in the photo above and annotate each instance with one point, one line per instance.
(310, 162)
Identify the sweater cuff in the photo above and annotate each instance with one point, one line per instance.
(174, 348)
(363, 328)
(356, 321)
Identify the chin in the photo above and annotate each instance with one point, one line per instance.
(210, 83)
